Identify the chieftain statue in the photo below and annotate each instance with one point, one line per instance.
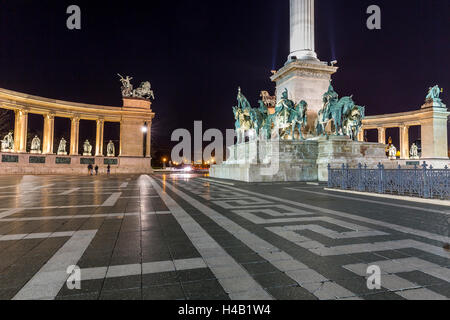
(143, 92)
(289, 120)
(87, 148)
(8, 142)
(110, 149)
(344, 114)
(414, 152)
(36, 145)
(62, 147)
(392, 152)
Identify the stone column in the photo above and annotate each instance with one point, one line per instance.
(49, 133)
(99, 138)
(74, 135)
(20, 131)
(382, 135)
(361, 135)
(404, 142)
(148, 142)
(302, 30)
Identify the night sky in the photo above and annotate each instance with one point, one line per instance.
(196, 53)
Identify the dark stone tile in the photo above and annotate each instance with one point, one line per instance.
(275, 279)
(160, 279)
(203, 288)
(383, 296)
(119, 283)
(8, 294)
(169, 292)
(421, 278)
(291, 293)
(195, 275)
(126, 294)
(87, 287)
(120, 260)
(82, 297)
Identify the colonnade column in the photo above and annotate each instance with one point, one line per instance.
(404, 142)
(49, 133)
(148, 144)
(382, 135)
(361, 135)
(20, 130)
(99, 137)
(74, 135)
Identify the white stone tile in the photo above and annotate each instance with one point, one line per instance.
(124, 270)
(158, 267)
(327, 290)
(306, 276)
(421, 294)
(93, 273)
(186, 264)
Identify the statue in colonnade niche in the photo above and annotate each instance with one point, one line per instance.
(62, 147)
(8, 143)
(36, 145)
(110, 149)
(392, 152)
(87, 148)
(414, 152)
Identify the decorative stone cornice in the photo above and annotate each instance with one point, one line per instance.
(38, 105)
(305, 68)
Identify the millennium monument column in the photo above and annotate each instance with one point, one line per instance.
(302, 30)
(304, 75)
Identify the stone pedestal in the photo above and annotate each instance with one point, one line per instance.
(337, 151)
(434, 131)
(271, 161)
(24, 163)
(307, 81)
(131, 129)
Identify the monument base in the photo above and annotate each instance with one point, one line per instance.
(269, 161)
(31, 164)
(290, 161)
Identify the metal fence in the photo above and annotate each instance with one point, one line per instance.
(423, 181)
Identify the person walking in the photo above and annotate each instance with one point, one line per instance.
(96, 170)
(108, 169)
(90, 169)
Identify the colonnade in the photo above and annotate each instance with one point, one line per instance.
(135, 115)
(433, 125)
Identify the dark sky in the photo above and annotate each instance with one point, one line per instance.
(196, 53)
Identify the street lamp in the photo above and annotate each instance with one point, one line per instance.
(144, 129)
(164, 163)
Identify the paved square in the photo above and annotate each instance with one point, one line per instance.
(177, 237)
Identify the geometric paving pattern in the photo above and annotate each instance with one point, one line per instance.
(185, 237)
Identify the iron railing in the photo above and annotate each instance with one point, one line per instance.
(423, 181)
